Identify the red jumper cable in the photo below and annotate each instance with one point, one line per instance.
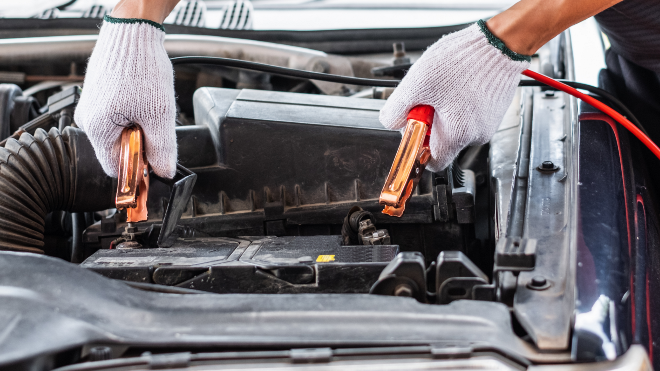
(414, 151)
(598, 105)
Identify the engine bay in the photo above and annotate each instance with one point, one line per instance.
(278, 184)
(286, 201)
(270, 242)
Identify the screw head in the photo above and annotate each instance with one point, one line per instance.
(538, 283)
(548, 166)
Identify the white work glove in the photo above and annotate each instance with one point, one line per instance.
(130, 79)
(470, 78)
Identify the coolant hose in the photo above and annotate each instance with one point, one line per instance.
(46, 172)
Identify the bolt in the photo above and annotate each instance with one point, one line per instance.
(548, 165)
(146, 173)
(399, 50)
(403, 290)
(321, 66)
(539, 281)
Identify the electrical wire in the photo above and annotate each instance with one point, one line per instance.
(630, 122)
(284, 71)
(291, 72)
(598, 91)
(598, 105)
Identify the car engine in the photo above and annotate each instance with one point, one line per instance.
(285, 200)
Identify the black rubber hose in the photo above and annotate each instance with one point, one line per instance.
(46, 172)
(292, 72)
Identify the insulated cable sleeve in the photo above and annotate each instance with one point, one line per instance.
(598, 91)
(284, 71)
(598, 105)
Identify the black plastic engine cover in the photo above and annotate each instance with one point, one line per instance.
(251, 265)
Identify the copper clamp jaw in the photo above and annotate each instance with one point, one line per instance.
(409, 163)
(133, 190)
(133, 182)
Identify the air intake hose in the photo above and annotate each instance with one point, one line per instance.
(46, 172)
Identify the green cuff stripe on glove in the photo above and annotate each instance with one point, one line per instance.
(110, 19)
(496, 42)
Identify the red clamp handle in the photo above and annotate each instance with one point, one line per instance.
(424, 114)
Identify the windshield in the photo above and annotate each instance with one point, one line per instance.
(302, 15)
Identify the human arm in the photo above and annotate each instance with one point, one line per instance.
(130, 80)
(470, 76)
(530, 24)
(153, 10)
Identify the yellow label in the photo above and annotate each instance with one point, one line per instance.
(325, 258)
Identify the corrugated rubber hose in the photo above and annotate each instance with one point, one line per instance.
(46, 172)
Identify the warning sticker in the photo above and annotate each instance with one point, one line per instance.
(325, 258)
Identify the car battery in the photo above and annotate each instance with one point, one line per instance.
(296, 264)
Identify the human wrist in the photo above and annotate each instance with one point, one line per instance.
(501, 46)
(511, 36)
(115, 20)
(529, 24)
(152, 10)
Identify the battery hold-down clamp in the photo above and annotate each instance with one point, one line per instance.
(409, 163)
(133, 190)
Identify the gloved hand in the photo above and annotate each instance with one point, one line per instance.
(470, 78)
(130, 79)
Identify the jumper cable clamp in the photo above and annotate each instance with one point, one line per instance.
(409, 162)
(133, 183)
(133, 189)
